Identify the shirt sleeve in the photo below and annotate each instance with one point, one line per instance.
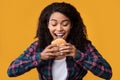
(93, 61)
(25, 62)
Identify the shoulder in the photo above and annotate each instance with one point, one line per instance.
(35, 46)
(90, 47)
(35, 43)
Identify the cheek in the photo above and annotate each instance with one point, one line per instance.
(68, 30)
(51, 29)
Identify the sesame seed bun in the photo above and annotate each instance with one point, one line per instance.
(58, 41)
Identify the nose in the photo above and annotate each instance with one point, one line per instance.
(59, 28)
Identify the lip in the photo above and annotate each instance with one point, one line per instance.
(59, 35)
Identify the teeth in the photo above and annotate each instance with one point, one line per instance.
(59, 35)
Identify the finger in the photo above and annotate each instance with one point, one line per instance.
(68, 44)
(66, 48)
(52, 50)
(63, 45)
(48, 51)
(51, 46)
(58, 54)
(67, 55)
(49, 54)
(55, 49)
(66, 51)
(72, 54)
(45, 56)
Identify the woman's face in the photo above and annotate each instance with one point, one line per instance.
(59, 25)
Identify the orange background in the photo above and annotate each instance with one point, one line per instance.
(18, 23)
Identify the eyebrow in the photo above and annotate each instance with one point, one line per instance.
(53, 20)
(62, 20)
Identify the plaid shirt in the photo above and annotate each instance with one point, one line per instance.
(77, 67)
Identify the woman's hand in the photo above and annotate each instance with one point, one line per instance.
(53, 51)
(68, 50)
(49, 52)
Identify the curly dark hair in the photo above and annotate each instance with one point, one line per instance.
(78, 33)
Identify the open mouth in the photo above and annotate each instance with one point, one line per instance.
(59, 35)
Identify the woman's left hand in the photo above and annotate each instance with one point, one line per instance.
(68, 50)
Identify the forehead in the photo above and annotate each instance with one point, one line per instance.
(58, 16)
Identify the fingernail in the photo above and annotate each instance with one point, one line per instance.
(61, 54)
(61, 51)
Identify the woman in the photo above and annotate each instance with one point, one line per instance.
(73, 60)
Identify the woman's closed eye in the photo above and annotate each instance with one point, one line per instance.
(53, 23)
(65, 23)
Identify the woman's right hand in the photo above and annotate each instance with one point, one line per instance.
(51, 51)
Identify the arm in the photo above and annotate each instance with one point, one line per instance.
(25, 62)
(93, 61)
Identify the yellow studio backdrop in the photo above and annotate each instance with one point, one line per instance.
(18, 23)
